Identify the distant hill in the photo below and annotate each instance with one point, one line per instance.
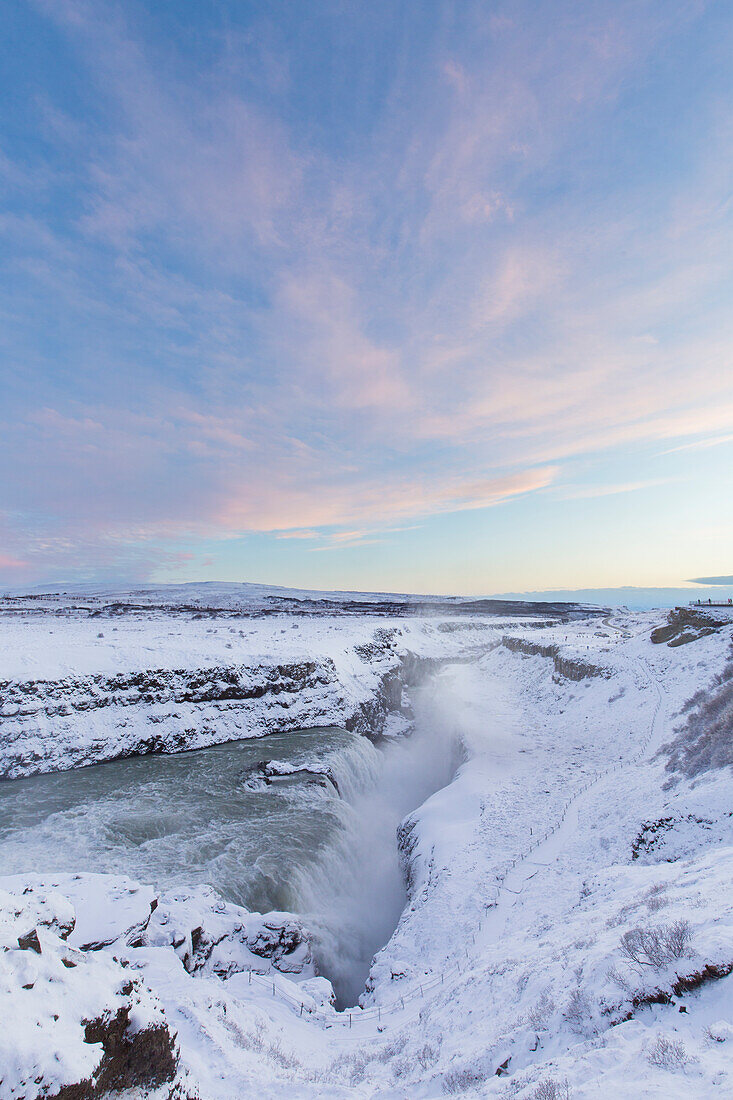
(218, 597)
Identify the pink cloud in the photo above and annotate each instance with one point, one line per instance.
(701, 444)
(588, 492)
(7, 562)
(325, 337)
(525, 277)
(282, 505)
(297, 535)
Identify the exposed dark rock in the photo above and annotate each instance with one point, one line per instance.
(503, 1069)
(30, 942)
(649, 833)
(144, 1059)
(686, 625)
(370, 716)
(141, 1059)
(205, 697)
(711, 972)
(268, 772)
(682, 984)
(407, 841)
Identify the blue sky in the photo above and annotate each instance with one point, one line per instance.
(405, 296)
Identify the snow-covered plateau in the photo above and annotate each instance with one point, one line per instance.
(526, 818)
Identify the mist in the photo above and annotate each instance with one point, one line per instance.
(356, 893)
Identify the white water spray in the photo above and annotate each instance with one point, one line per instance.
(354, 896)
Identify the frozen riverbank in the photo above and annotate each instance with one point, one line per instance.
(72, 694)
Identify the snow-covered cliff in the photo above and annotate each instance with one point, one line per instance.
(72, 694)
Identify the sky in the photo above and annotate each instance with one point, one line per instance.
(402, 296)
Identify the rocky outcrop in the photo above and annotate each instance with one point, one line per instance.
(75, 1024)
(570, 668)
(54, 725)
(407, 842)
(370, 715)
(234, 683)
(144, 1059)
(267, 772)
(211, 936)
(685, 625)
(79, 1023)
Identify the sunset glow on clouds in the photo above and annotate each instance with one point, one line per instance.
(445, 289)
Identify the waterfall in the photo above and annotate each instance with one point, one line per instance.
(353, 896)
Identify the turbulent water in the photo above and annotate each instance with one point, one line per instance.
(300, 844)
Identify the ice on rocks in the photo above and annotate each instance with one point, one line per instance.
(216, 937)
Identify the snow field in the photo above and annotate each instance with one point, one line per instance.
(524, 889)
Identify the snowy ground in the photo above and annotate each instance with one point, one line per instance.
(569, 930)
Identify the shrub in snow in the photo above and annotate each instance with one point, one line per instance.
(461, 1080)
(427, 1055)
(705, 741)
(540, 1014)
(257, 1040)
(351, 1067)
(552, 1090)
(579, 1012)
(677, 938)
(667, 1053)
(401, 1068)
(655, 897)
(623, 981)
(656, 947)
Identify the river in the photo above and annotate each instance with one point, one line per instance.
(324, 848)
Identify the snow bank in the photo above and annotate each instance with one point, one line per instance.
(70, 1017)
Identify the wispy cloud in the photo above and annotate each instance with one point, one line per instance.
(289, 505)
(700, 444)
(589, 492)
(253, 292)
(7, 562)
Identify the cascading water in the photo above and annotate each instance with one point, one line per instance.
(189, 818)
(355, 893)
(198, 817)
